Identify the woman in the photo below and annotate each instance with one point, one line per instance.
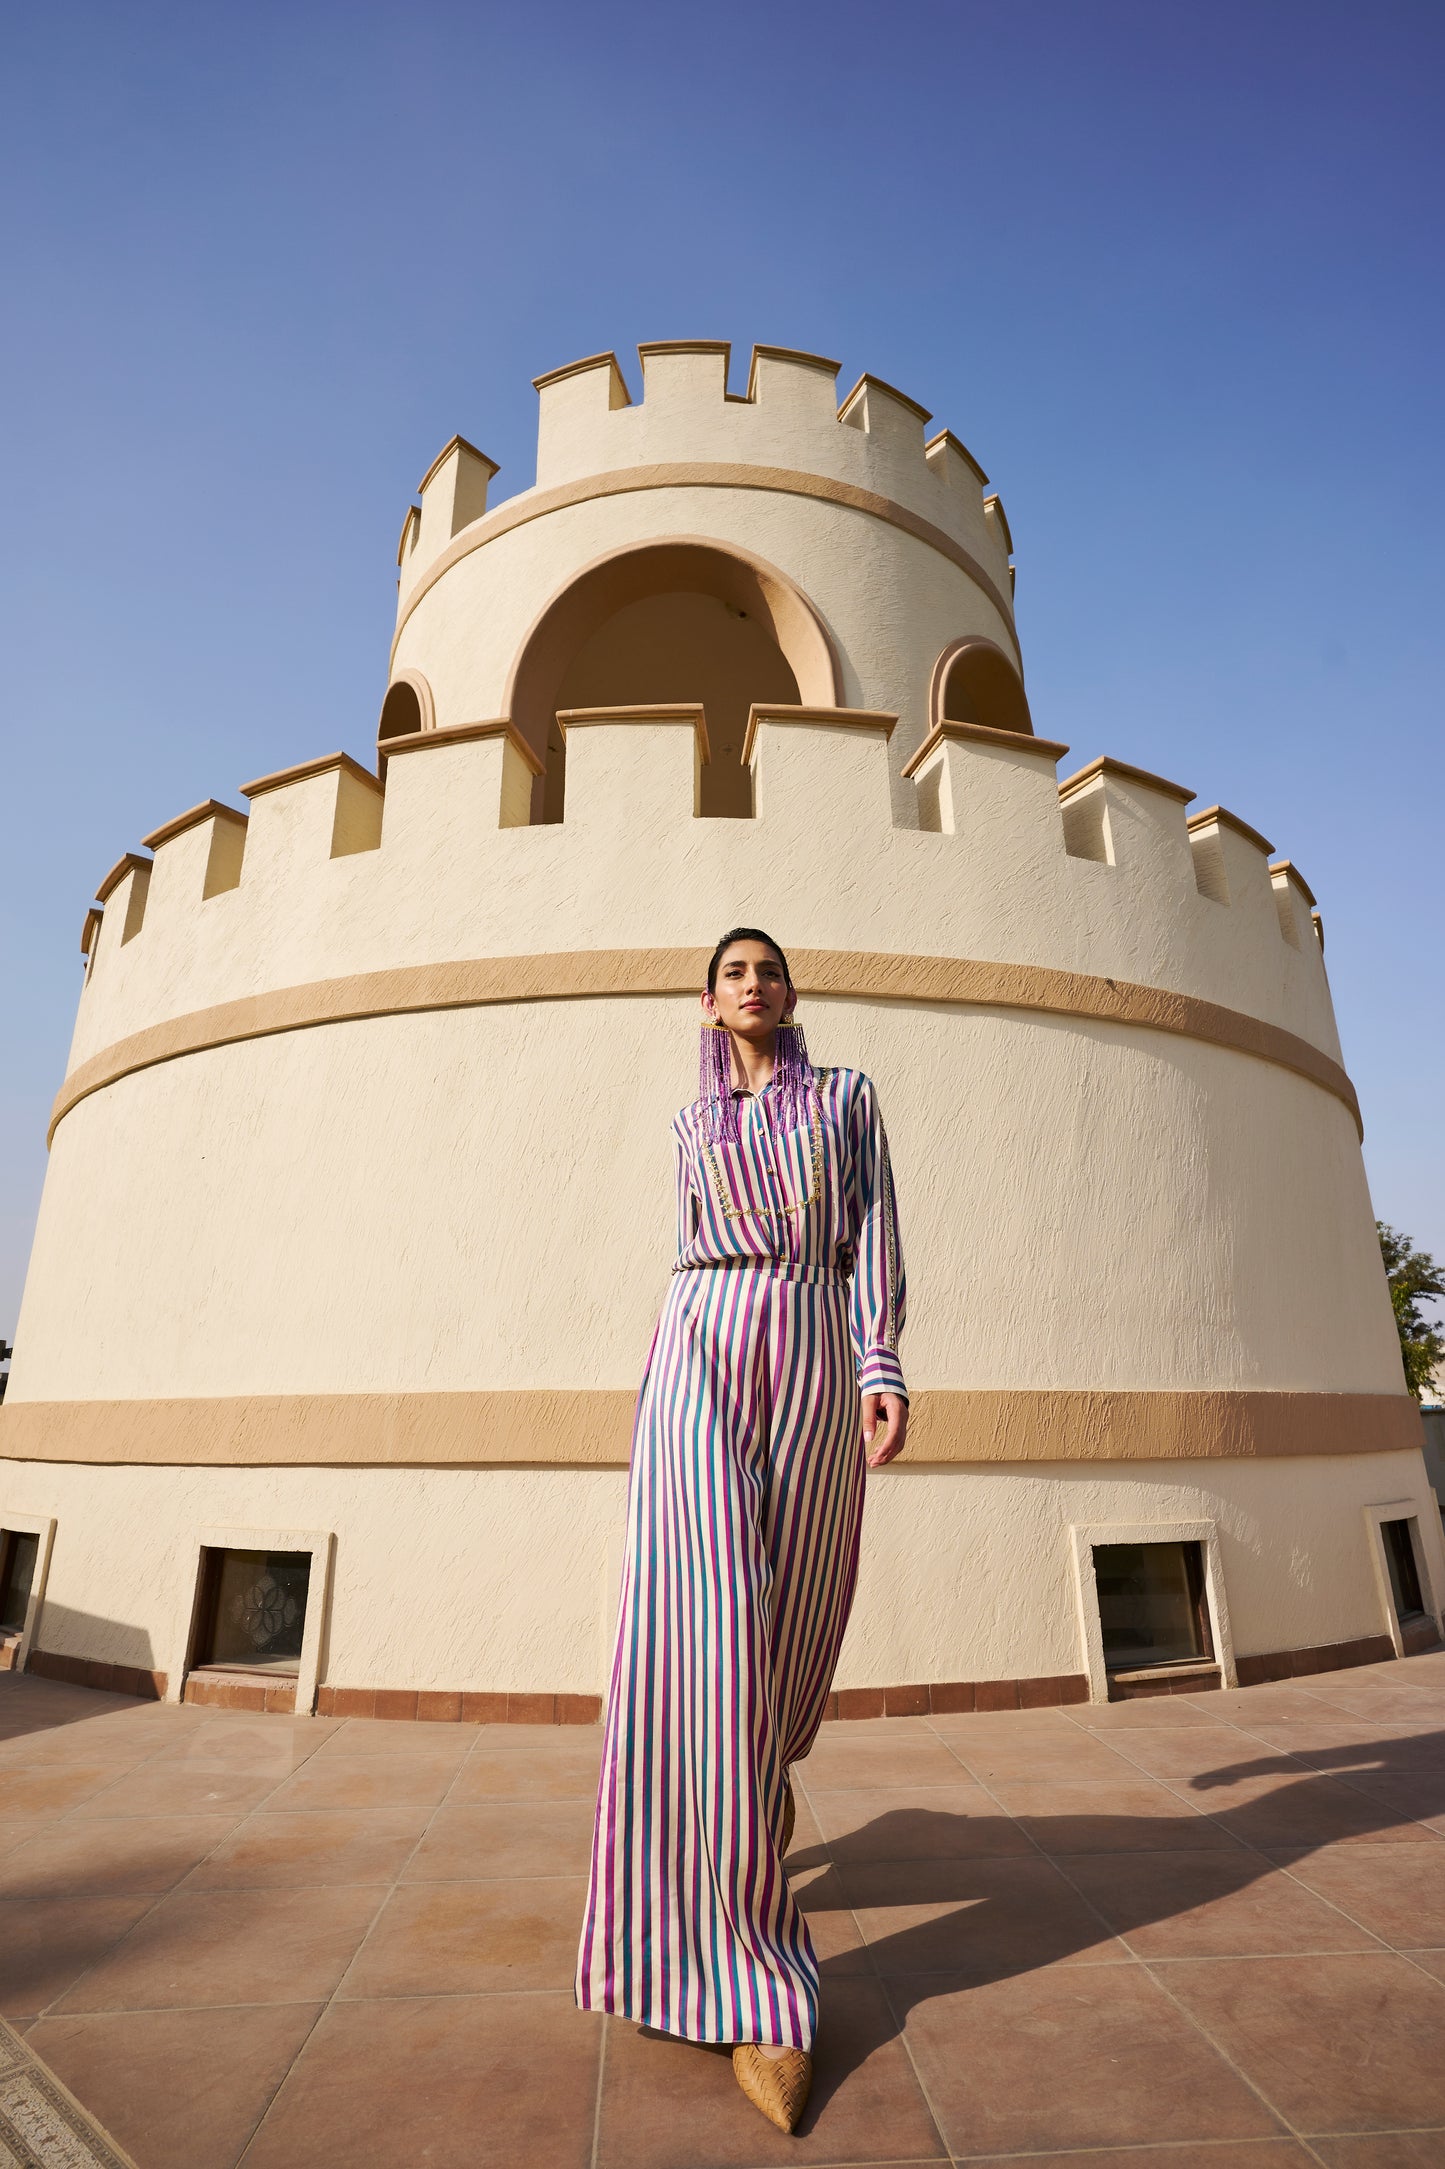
(774, 1361)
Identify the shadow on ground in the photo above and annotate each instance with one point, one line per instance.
(999, 1897)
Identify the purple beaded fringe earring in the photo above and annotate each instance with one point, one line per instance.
(793, 1085)
(715, 1083)
(792, 1080)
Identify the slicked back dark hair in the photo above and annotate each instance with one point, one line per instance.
(744, 933)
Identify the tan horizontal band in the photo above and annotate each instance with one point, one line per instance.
(1221, 817)
(873, 975)
(691, 712)
(1104, 764)
(868, 383)
(948, 730)
(705, 475)
(210, 809)
(436, 740)
(456, 444)
(129, 863)
(279, 778)
(592, 1428)
(851, 719)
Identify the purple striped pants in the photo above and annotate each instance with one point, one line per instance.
(744, 1512)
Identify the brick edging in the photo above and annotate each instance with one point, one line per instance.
(1323, 1657)
(116, 1679)
(459, 1707)
(947, 1698)
(936, 1698)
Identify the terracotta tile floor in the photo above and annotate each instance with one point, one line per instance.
(1201, 1933)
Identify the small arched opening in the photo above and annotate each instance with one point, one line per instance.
(407, 707)
(974, 681)
(682, 620)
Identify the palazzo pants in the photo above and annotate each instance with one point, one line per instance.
(744, 1512)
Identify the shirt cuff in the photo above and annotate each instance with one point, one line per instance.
(881, 1372)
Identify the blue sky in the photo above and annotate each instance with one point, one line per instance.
(1173, 273)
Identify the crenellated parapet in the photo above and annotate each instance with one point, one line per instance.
(339, 874)
(789, 421)
(891, 533)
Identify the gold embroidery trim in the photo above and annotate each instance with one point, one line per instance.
(890, 1247)
(771, 1212)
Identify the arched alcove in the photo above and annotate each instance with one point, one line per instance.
(681, 620)
(974, 681)
(407, 707)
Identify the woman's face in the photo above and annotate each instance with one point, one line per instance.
(752, 996)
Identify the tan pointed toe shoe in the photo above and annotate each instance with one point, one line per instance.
(778, 2085)
(790, 1816)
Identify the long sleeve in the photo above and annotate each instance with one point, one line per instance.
(686, 1201)
(878, 1283)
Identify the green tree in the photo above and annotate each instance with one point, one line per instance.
(1414, 1278)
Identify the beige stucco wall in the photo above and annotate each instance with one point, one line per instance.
(506, 1578)
(482, 1197)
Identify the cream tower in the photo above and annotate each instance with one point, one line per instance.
(359, 1205)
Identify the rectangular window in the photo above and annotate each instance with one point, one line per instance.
(253, 1610)
(1152, 1606)
(1404, 1574)
(18, 1556)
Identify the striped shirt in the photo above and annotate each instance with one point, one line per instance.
(815, 1199)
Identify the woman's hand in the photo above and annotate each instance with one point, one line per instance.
(885, 1441)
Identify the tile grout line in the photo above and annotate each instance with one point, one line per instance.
(1188, 2017)
(1412, 1958)
(1260, 2095)
(157, 1901)
(258, 1890)
(973, 1778)
(1396, 1818)
(1270, 1866)
(1169, 2146)
(1346, 1778)
(388, 1892)
(72, 1812)
(902, 2030)
(1129, 2146)
(321, 2012)
(877, 2161)
(254, 1810)
(597, 2100)
(296, 2003)
(1173, 1784)
(169, 2010)
(1279, 1868)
